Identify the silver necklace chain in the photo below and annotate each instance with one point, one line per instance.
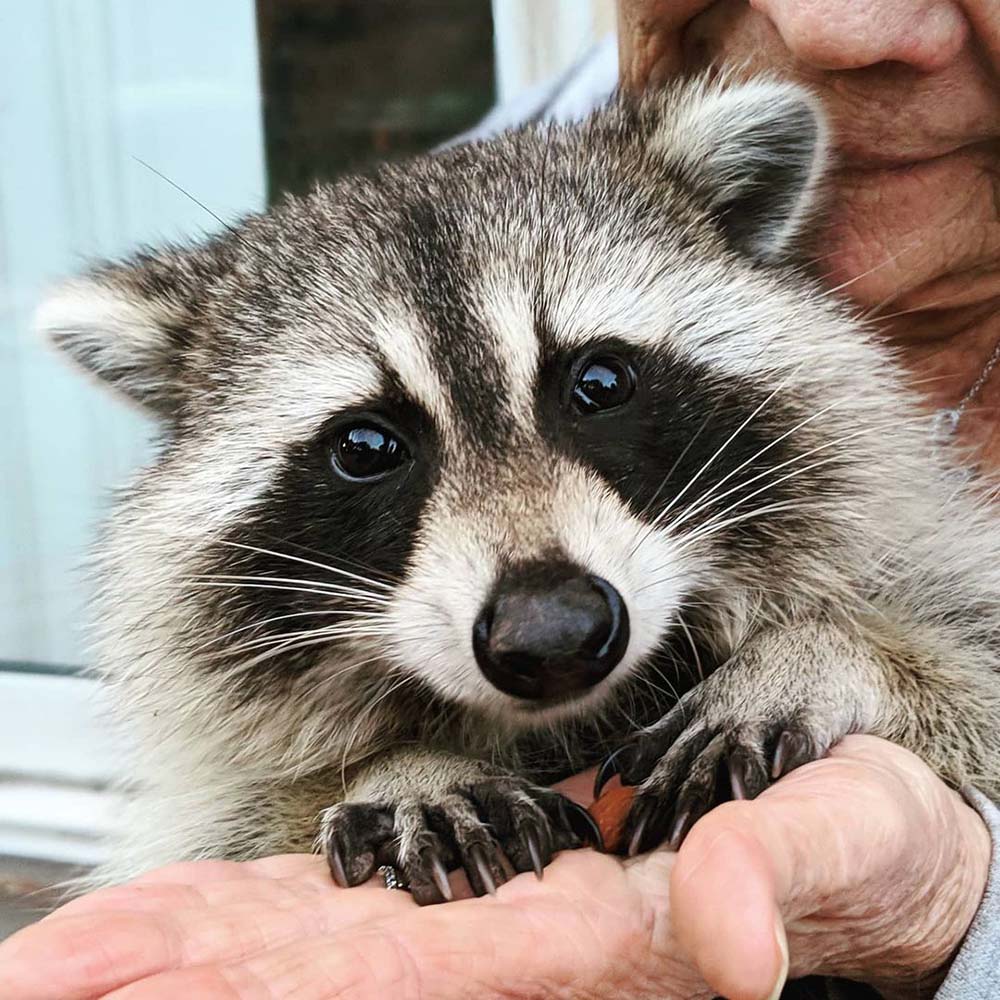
(948, 420)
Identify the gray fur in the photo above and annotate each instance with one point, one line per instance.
(869, 601)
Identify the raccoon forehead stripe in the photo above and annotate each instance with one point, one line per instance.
(404, 349)
(464, 350)
(509, 315)
(740, 321)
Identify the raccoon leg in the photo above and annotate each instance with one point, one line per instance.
(786, 697)
(425, 811)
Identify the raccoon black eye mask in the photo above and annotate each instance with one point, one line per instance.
(484, 468)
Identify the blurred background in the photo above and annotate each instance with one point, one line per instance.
(126, 122)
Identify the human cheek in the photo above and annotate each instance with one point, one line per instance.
(984, 16)
(651, 39)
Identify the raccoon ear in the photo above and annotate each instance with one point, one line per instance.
(757, 152)
(130, 325)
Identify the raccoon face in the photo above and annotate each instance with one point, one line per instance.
(484, 423)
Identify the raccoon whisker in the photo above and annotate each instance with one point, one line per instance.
(680, 458)
(831, 293)
(347, 623)
(714, 605)
(366, 714)
(872, 314)
(629, 693)
(285, 647)
(711, 497)
(308, 562)
(725, 444)
(379, 576)
(670, 691)
(331, 588)
(694, 649)
(713, 528)
(790, 475)
(312, 750)
(658, 581)
(232, 230)
(268, 586)
(793, 503)
(673, 468)
(761, 451)
(266, 621)
(346, 630)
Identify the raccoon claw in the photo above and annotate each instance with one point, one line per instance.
(336, 863)
(607, 771)
(683, 822)
(794, 749)
(583, 825)
(533, 847)
(481, 872)
(639, 824)
(680, 782)
(438, 873)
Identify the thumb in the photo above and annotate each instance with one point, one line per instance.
(724, 891)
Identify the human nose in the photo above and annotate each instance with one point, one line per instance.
(852, 34)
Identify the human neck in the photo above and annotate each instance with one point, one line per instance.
(946, 351)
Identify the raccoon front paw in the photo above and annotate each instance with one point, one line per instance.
(491, 829)
(704, 751)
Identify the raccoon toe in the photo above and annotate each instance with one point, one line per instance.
(470, 841)
(532, 823)
(702, 769)
(354, 836)
(635, 759)
(420, 854)
(499, 827)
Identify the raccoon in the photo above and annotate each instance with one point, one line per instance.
(483, 468)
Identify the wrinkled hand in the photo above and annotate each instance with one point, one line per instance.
(872, 865)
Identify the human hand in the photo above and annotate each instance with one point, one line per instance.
(280, 928)
(874, 866)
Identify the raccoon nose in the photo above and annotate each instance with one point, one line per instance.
(546, 642)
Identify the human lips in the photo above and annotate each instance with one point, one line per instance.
(908, 177)
(862, 159)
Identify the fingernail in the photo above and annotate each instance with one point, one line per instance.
(779, 933)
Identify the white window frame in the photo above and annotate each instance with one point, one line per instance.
(537, 40)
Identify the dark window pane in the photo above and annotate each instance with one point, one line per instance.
(349, 81)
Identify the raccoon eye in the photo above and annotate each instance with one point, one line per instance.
(603, 383)
(367, 451)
